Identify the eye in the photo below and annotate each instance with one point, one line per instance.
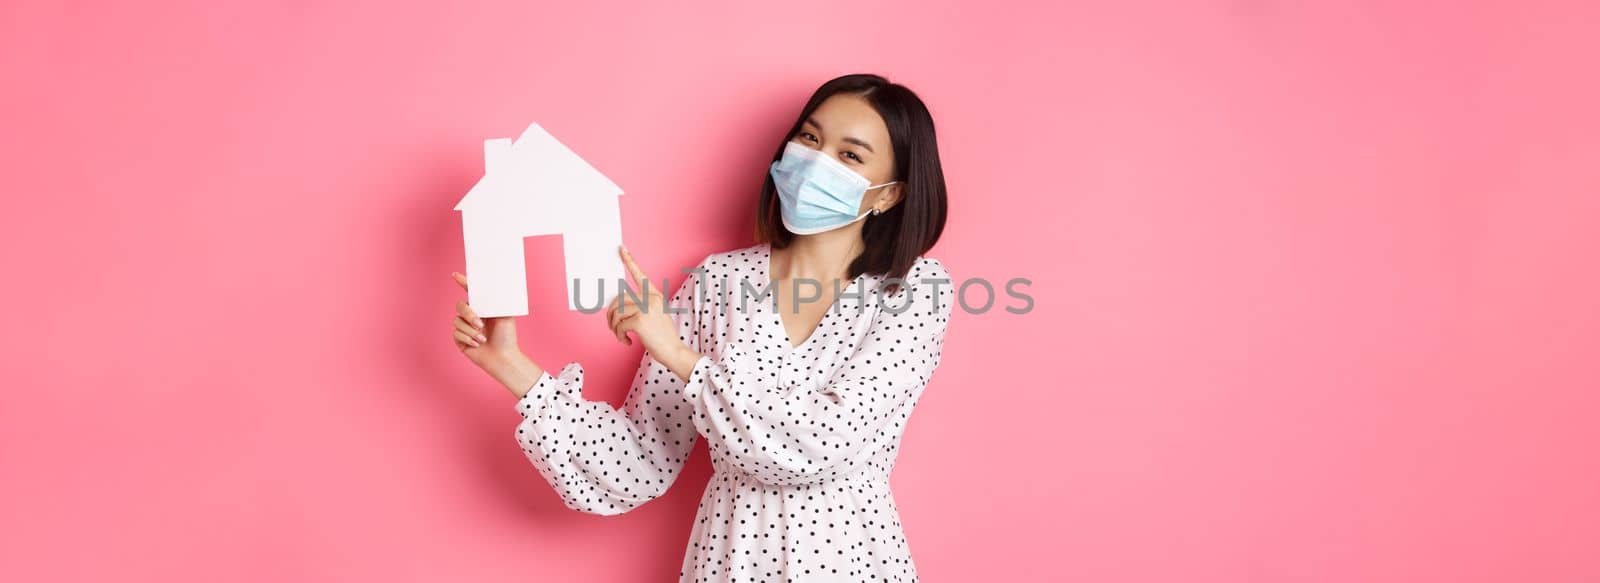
(853, 156)
(808, 136)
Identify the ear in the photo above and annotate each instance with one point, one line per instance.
(889, 196)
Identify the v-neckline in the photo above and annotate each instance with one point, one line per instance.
(777, 311)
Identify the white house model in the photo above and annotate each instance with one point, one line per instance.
(536, 186)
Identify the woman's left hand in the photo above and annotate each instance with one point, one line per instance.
(645, 316)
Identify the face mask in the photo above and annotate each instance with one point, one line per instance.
(816, 192)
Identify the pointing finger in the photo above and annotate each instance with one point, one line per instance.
(633, 268)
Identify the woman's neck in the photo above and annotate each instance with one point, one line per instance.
(819, 257)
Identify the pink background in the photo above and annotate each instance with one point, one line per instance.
(1316, 287)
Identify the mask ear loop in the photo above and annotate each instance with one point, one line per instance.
(875, 210)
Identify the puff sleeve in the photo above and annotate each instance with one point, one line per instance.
(604, 460)
(786, 437)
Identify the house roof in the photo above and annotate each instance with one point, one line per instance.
(534, 167)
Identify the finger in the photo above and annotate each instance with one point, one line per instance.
(624, 322)
(611, 319)
(639, 278)
(460, 279)
(465, 340)
(622, 331)
(466, 312)
(626, 306)
(621, 323)
(463, 327)
(616, 317)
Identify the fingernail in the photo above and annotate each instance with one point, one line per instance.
(482, 339)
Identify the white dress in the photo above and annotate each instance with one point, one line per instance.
(802, 438)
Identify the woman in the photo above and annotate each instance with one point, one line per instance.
(802, 393)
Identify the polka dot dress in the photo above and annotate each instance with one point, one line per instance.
(802, 437)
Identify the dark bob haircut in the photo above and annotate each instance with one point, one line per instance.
(895, 238)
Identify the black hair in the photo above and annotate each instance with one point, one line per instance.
(894, 239)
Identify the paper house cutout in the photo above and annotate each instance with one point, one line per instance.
(531, 187)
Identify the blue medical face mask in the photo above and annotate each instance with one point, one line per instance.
(816, 192)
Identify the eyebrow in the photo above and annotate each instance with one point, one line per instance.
(847, 139)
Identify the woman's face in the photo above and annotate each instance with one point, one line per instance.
(846, 127)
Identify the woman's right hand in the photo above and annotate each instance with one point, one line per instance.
(488, 343)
